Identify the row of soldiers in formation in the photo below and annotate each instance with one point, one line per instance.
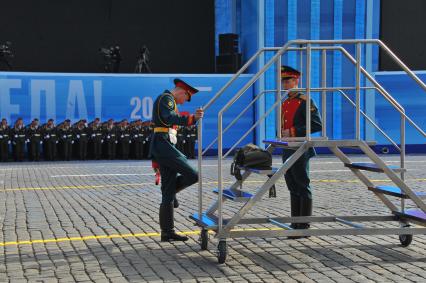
(96, 140)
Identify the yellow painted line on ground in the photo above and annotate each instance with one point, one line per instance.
(206, 183)
(116, 236)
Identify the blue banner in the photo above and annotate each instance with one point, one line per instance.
(117, 96)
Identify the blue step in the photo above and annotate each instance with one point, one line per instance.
(234, 195)
(276, 142)
(261, 171)
(414, 214)
(205, 220)
(371, 167)
(394, 191)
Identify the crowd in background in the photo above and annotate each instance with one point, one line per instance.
(81, 141)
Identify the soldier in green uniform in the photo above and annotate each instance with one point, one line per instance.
(34, 140)
(50, 140)
(123, 134)
(293, 116)
(81, 138)
(137, 140)
(110, 139)
(170, 160)
(18, 140)
(4, 140)
(96, 140)
(66, 139)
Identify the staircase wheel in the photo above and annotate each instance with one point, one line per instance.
(221, 252)
(204, 239)
(405, 240)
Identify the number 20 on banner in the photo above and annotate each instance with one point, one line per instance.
(142, 108)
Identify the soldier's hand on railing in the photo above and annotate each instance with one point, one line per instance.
(199, 113)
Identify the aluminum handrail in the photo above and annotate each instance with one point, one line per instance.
(370, 120)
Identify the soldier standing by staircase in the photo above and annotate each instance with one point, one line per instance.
(294, 125)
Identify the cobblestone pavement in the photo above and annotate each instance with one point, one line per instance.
(98, 222)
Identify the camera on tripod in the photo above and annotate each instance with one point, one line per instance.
(142, 63)
(6, 54)
(112, 58)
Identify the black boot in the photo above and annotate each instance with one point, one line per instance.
(305, 210)
(295, 211)
(168, 233)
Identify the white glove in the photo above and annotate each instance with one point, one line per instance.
(27, 141)
(143, 142)
(57, 142)
(102, 141)
(116, 141)
(184, 141)
(1, 136)
(72, 142)
(47, 136)
(173, 139)
(130, 141)
(108, 137)
(136, 136)
(78, 136)
(8, 142)
(16, 136)
(64, 136)
(122, 136)
(93, 135)
(41, 142)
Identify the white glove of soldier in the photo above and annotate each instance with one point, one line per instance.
(57, 142)
(8, 142)
(41, 142)
(116, 141)
(108, 137)
(47, 136)
(102, 141)
(1, 136)
(72, 142)
(78, 136)
(173, 138)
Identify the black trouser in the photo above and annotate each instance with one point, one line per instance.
(18, 150)
(50, 150)
(111, 149)
(138, 146)
(34, 150)
(4, 150)
(66, 150)
(124, 149)
(297, 176)
(170, 181)
(97, 149)
(82, 149)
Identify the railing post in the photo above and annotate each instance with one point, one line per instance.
(324, 93)
(200, 173)
(358, 92)
(402, 156)
(219, 173)
(278, 98)
(308, 92)
(301, 66)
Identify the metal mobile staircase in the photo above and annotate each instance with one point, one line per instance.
(213, 218)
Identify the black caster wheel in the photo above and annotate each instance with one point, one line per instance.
(221, 252)
(204, 239)
(405, 240)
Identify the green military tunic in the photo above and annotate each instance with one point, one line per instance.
(171, 161)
